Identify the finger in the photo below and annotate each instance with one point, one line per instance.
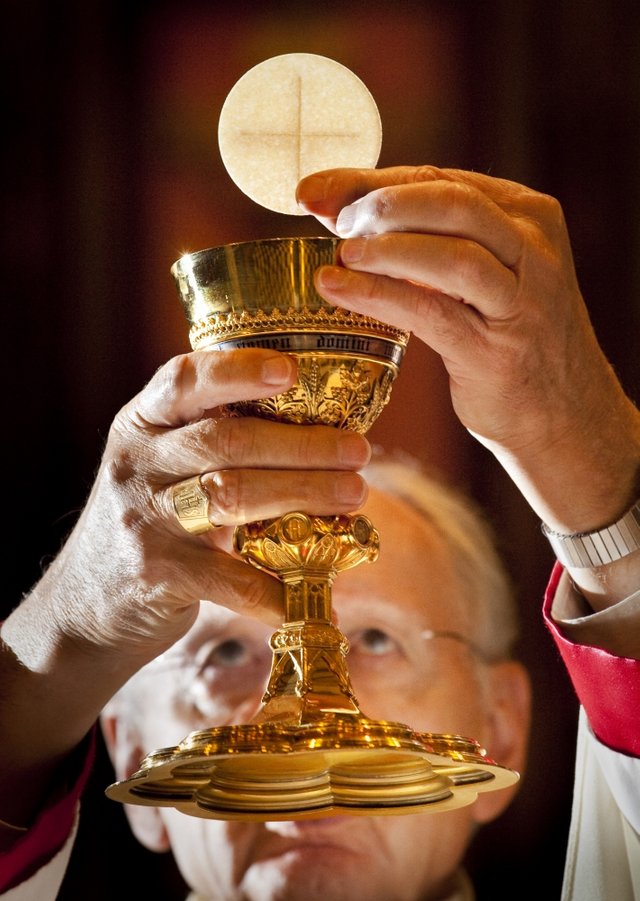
(188, 385)
(509, 195)
(443, 322)
(325, 193)
(441, 208)
(238, 496)
(461, 269)
(201, 572)
(249, 443)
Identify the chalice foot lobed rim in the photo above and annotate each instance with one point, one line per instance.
(338, 765)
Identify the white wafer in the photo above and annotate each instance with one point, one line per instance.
(292, 115)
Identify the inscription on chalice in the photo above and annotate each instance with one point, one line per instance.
(295, 527)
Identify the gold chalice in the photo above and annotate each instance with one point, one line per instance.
(309, 751)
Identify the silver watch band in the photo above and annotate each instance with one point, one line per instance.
(600, 546)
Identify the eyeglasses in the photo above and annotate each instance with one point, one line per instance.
(475, 649)
(230, 670)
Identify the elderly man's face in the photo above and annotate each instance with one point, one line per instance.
(387, 610)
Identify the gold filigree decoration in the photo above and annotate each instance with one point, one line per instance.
(346, 394)
(319, 546)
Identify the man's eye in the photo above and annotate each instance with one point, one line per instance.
(229, 653)
(373, 641)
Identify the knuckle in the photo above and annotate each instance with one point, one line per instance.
(120, 470)
(170, 381)
(462, 201)
(226, 496)
(126, 431)
(476, 275)
(120, 459)
(128, 521)
(200, 440)
(175, 372)
(426, 173)
(554, 211)
(127, 496)
(466, 256)
(548, 202)
(231, 440)
(548, 209)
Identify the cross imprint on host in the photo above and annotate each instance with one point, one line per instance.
(297, 134)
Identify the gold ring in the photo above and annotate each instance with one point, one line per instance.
(191, 505)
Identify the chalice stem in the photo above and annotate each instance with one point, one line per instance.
(309, 680)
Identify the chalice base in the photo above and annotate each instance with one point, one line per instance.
(338, 765)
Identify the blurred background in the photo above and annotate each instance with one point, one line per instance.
(111, 171)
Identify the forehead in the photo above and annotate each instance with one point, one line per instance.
(413, 581)
(414, 574)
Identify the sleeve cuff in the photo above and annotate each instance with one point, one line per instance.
(607, 686)
(54, 823)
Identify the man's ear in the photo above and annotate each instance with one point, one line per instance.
(124, 746)
(508, 699)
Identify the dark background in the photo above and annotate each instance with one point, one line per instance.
(111, 171)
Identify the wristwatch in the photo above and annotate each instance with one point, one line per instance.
(601, 546)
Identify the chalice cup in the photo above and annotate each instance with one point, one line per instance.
(309, 751)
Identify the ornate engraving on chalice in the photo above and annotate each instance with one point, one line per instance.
(309, 751)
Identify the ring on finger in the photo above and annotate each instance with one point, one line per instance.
(191, 505)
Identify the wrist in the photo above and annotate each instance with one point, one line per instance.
(54, 686)
(584, 479)
(597, 547)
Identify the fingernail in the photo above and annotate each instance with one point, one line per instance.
(311, 190)
(352, 250)
(346, 219)
(353, 449)
(332, 277)
(352, 220)
(351, 489)
(277, 370)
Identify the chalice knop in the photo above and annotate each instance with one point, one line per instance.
(309, 751)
